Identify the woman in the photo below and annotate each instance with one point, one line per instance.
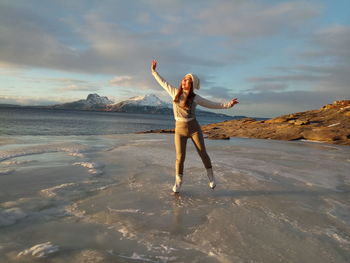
(184, 106)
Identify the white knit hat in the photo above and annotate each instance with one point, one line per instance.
(195, 80)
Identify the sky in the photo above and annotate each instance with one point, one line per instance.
(276, 57)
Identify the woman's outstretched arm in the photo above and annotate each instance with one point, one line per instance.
(215, 105)
(162, 82)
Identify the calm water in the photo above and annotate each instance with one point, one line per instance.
(24, 121)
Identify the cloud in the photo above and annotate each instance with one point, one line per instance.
(27, 38)
(321, 79)
(64, 84)
(270, 103)
(273, 104)
(25, 100)
(331, 42)
(253, 18)
(11, 70)
(299, 77)
(116, 38)
(121, 81)
(333, 55)
(325, 66)
(218, 93)
(74, 87)
(268, 87)
(144, 18)
(119, 38)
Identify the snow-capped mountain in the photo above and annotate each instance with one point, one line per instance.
(94, 98)
(149, 103)
(146, 100)
(92, 102)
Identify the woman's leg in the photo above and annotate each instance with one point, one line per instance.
(198, 141)
(180, 147)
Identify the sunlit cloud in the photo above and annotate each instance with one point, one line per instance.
(29, 101)
(121, 81)
(74, 87)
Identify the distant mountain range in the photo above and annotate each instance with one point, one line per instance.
(92, 102)
(149, 103)
(141, 104)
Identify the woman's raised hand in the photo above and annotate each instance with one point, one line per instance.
(154, 64)
(233, 102)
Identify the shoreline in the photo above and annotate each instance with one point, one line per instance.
(225, 137)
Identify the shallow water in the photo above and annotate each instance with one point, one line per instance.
(107, 198)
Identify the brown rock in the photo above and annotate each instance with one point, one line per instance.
(342, 102)
(329, 124)
(218, 137)
(301, 122)
(247, 120)
(277, 120)
(322, 134)
(158, 131)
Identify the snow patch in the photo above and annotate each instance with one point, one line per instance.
(134, 211)
(334, 124)
(136, 256)
(129, 210)
(126, 234)
(88, 165)
(40, 250)
(76, 154)
(18, 162)
(92, 167)
(51, 192)
(75, 211)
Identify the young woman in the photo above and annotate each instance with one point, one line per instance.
(184, 106)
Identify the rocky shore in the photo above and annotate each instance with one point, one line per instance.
(329, 124)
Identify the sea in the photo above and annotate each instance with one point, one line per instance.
(83, 186)
(56, 122)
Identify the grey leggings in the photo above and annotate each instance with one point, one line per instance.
(183, 131)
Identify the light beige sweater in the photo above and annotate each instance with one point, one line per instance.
(181, 114)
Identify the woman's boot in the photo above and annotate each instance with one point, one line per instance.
(178, 183)
(210, 175)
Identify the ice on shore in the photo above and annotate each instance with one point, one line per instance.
(17, 162)
(274, 201)
(76, 154)
(73, 149)
(88, 165)
(137, 257)
(6, 171)
(52, 191)
(11, 216)
(40, 251)
(93, 168)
